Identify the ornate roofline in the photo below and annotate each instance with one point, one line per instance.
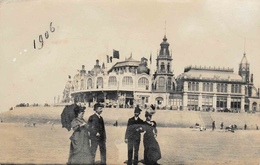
(223, 69)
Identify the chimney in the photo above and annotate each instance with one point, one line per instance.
(83, 67)
(97, 62)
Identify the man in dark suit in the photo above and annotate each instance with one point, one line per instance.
(133, 136)
(97, 134)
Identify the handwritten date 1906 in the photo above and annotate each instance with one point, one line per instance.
(41, 41)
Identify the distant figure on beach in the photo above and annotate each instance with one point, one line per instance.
(52, 126)
(79, 147)
(245, 127)
(257, 127)
(97, 133)
(221, 125)
(27, 124)
(213, 126)
(115, 124)
(133, 136)
(2, 120)
(152, 152)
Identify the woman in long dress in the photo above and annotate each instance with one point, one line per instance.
(79, 147)
(152, 152)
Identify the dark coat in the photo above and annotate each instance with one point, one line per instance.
(132, 130)
(96, 125)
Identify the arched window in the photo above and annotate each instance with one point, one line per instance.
(211, 87)
(218, 87)
(82, 84)
(161, 84)
(127, 81)
(168, 68)
(189, 86)
(143, 83)
(89, 83)
(197, 86)
(235, 88)
(232, 88)
(99, 82)
(194, 86)
(222, 88)
(76, 85)
(112, 81)
(204, 86)
(239, 88)
(208, 87)
(162, 67)
(225, 88)
(169, 83)
(173, 86)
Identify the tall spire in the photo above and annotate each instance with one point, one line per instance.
(244, 46)
(165, 28)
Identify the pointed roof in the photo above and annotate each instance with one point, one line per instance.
(244, 59)
(165, 41)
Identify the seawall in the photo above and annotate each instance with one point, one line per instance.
(164, 118)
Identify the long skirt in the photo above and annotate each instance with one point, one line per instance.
(79, 148)
(152, 152)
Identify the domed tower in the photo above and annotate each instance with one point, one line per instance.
(142, 68)
(244, 69)
(163, 76)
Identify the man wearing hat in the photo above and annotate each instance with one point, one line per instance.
(133, 135)
(97, 133)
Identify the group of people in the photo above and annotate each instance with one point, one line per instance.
(135, 127)
(88, 135)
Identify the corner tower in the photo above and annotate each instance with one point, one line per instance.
(244, 69)
(163, 76)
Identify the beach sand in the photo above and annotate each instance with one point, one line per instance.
(43, 145)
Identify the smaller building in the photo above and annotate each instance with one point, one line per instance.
(210, 88)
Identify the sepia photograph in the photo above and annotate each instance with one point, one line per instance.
(113, 82)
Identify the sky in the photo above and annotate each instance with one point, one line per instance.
(206, 32)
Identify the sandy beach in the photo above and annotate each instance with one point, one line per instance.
(43, 145)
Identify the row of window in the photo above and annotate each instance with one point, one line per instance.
(112, 82)
(193, 100)
(208, 87)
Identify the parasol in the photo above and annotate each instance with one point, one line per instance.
(68, 115)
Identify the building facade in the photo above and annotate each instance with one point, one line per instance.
(212, 89)
(130, 82)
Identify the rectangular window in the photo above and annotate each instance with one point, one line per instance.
(221, 102)
(235, 103)
(193, 102)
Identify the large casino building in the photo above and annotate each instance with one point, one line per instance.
(128, 83)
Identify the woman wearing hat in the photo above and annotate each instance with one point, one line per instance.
(79, 147)
(152, 152)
